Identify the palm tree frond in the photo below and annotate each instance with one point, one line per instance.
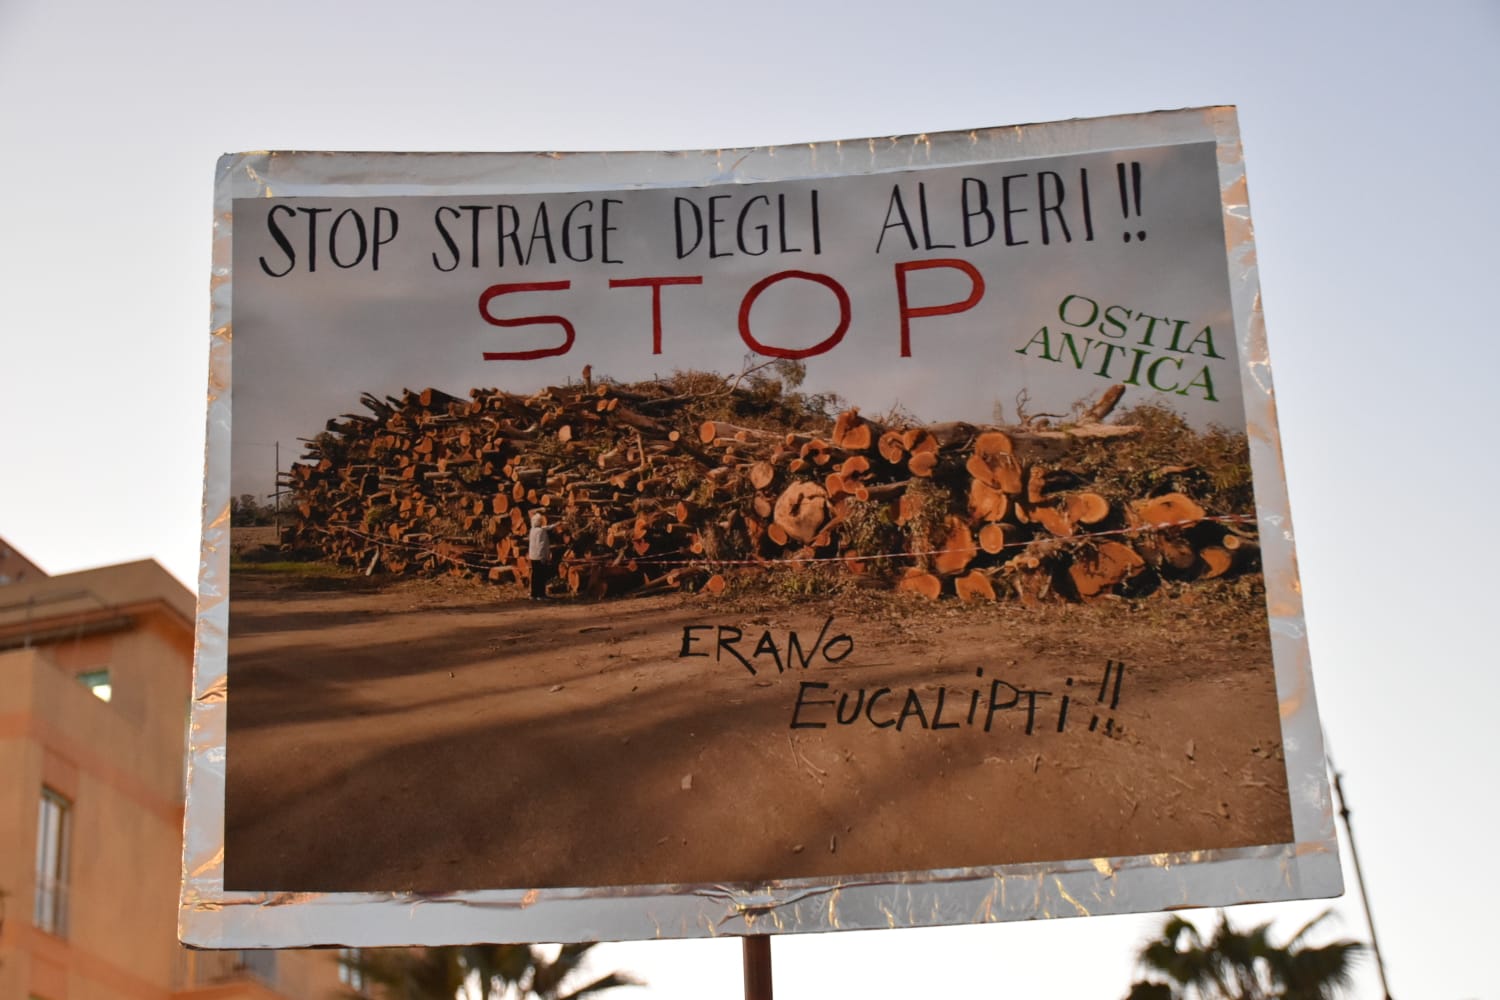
(547, 977)
(603, 983)
(1147, 990)
(441, 973)
(1243, 964)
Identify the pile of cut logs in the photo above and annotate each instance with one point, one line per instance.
(643, 496)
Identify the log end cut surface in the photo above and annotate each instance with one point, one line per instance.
(802, 510)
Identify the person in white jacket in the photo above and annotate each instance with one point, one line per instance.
(539, 552)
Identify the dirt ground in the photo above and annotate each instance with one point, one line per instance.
(438, 735)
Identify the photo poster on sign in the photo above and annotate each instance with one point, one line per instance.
(870, 533)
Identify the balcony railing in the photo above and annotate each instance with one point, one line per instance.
(209, 968)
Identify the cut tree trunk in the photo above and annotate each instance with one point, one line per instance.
(1105, 406)
(915, 581)
(801, 510)
(1216, 561)
(986, 503)
(974, 586)
(1086, 508)
(957, 548)
(993, 537)
(1107, 565)
(852, 432)
(1054, 520)
(1169, 508)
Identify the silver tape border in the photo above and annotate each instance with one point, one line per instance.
(209, 917)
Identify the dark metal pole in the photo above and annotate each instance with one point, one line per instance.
(276, 495)
(758, 967)
(1338, 788)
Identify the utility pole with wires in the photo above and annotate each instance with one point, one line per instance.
(276, 495)
(1359, 878)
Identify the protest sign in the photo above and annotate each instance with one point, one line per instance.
(861, 534)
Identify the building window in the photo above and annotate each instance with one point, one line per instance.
(52, 835)
(351, 971)
(97, 681)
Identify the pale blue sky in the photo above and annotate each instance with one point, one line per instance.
(1370, 144)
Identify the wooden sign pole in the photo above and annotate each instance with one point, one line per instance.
(758, 967)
